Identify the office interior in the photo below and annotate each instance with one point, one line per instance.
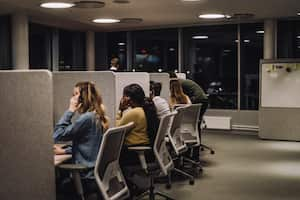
(247, 62)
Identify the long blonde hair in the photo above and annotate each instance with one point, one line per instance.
(177, 94)
(91, 100)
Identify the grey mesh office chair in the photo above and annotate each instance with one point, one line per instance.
(177, 142)
(163, 163)
(189, 130)
(108, 174)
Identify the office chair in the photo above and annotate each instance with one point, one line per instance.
(190, 132)
(178, 145)
(108, 175)
(163, 163)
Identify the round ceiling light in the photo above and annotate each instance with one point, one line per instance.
(212, 16)
(106, 21)
(57, 5)
(298, 13)
(260, 32)
(199, 37)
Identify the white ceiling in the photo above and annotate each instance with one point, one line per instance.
(155, 13)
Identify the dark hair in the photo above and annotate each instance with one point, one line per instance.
(137, 95)
(172, 74)
(155, 87)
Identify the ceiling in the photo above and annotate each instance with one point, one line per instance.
(155, 13)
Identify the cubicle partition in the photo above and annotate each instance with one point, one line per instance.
(26, 119)
(279, 111)
(164, 79)
(109, 83)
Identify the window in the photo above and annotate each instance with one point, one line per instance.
(5, 43)
(40, 38)
(155, 50)
(288, 39)
(101, 51)
(71, 50)
(210, 59)
(117, 48)
(252, 40)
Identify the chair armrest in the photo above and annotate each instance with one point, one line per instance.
(139, 148)
(74, 167)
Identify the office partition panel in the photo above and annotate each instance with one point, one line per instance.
(26, 118)
(164, 79)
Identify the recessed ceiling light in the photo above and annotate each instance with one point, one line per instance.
(298, 36)
(121, 43)
(212, 16)
(246, 41)
(260, 32)
(196, 37)
(298, 13)
(106, 21)
(57, 5)
(237, 41)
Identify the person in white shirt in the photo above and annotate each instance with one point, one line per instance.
(114, 64)
(162, 106)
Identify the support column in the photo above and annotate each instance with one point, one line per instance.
(20, 41)
(270, 30)
(90, 51)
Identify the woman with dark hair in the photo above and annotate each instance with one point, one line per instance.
(86, 132)
(142, 112)
(177, 94)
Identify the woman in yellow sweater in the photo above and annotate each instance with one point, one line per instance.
(135, 107)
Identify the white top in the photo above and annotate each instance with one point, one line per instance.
(162, 106)
(113, 68)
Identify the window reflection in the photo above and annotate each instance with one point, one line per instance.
(210, 57)
(155, 50)
(252, 36)
(5, 43)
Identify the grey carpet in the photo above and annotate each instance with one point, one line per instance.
(244, 168)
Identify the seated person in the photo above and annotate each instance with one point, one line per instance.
(114, 64)
(143, 113)
(177, 94)
(86, 132)
(162, 106)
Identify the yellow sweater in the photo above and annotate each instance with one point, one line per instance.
(138, 135)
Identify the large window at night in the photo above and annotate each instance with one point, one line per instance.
(40, 39)
(117, 48)
(5, 43)
(288, 39)
(155, 50)
(210, 59)
(252, 40)
(71, 50)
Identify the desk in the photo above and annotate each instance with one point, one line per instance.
(58, 159)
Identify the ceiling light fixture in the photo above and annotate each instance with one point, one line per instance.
(260, 32)
(246, 41)
(203, 37)
(106, 21)
(298, 36)
(57, 5)
(212, 16)
(298, 13)
(121, 43)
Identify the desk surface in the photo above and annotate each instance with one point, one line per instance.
(58, 159)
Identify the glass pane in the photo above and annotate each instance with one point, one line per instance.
(71, 50)
(101, 51)
(40, 38)
(117, 49)
(252, 41)
(288, 39)
(155, 50)
(210, 59)
(5, 43)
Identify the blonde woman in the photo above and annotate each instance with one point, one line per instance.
(177, 94)
(86, 132)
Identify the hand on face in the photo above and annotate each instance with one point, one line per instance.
(58, 150)
(124, 103)
(74, 103)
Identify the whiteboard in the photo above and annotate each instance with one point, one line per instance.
(280, 88)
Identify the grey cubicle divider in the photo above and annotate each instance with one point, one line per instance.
(279, 116)
(26, 118)
(125, 78)
(64, 83)
(164, 79)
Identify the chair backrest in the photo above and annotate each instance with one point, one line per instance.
(189, 123)
(108, 174)
(175, 133)
(159, 148)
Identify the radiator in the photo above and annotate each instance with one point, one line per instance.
(218, 122)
